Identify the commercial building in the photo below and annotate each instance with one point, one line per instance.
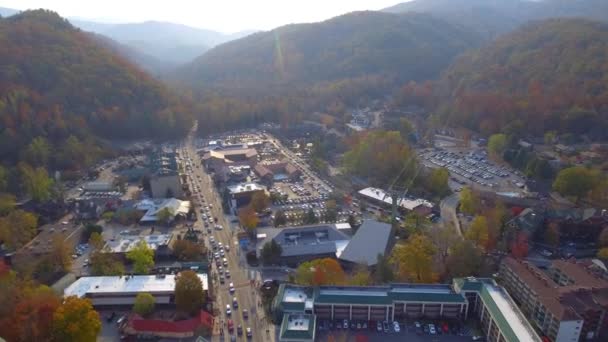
(567, 302)
(277, 171)
(298, 328)
(305, 243)
(152, 207)
(483, 299)
(166, 183)
(157, 242)
(371, 239)
(218, 160)
(117, 291)
(379, 196)
(241, 194)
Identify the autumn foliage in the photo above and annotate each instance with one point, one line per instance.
(317, 272)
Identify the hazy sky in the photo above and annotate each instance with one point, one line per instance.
(221, 15)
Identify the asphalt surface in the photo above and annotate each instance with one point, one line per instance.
(241, 277)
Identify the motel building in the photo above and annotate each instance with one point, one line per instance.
(482, 299)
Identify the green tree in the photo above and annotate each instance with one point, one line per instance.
(165, 215)
(331, 211)
(437, 182)
(248, 218)
(497, 144)
(415, 223)
(36, 182)
(3, 178)
(465, 259)
(259, 201)
(406, 129)
(383, 273)
(310, 217)
(478, 232)
(18, 228)
(142, 257)
(271, 252)
(38, 152)
(576, 181)
(361, 276)
(144, 304)
(414, 259)
(91, 228)
(76, 321)
(186, 250)
(7, 203)
(469, 201)
(189, 294)
(279, 218)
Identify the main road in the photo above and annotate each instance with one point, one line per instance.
(245, 293)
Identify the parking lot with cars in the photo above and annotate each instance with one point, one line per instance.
(473, 168)
(394, 331)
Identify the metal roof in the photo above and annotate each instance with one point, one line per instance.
(371, 239)
(298, 327)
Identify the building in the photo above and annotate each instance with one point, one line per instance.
(98, 186)
(567, 302)
(166, 183)
(151, 208)
(138, 326)
(218, 160)
(300, 244)
(370, 240)
(117, 291)
(466, 297)
(379, 196)
(241, 194)
(276, 172)
(159, 243)
(298, 328)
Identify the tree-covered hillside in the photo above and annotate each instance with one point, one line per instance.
(56, 82)
(406, 47)
(548, 75)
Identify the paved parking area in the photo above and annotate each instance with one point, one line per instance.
(359, 336)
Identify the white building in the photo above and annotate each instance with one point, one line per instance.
(122, 290)
(153, 206)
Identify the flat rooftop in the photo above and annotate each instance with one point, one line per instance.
(298, 327)
(294, 295)
(245, 187)
(127, 243)
(126, 285)
(512, 316)
(406, 203)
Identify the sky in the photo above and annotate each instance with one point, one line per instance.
(226, 16)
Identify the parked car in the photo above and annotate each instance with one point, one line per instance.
(385, 326)
(432, 329)
(345, 324)
(396, 327)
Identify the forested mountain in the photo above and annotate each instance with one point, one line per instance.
(494, 17)
(168, 42)
(59, 86)
(362, 43)
(548, 75)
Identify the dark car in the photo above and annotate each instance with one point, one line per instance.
(379, 326)
(385, 326)
(111, 317)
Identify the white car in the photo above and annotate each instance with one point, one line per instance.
(432, 330)
(231, 287)
(228, 310)
(396, 327)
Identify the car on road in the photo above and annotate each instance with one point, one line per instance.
(245, 314)
(239, 330)
(227, 273)
(222, 281)
(249, 333)
(225, 262)
(228, 310)
(230, 326)
(235, 303)
(231, 287)
(396, 327)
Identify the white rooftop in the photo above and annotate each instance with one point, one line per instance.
(518, 323)
(127, 243)
(381, 195)
(245, 187)
(298, 323)
(125, 284)
(292, 295)
(353, 292)
(153, 206)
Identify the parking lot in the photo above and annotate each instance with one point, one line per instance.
(409, 331)
(473, 168)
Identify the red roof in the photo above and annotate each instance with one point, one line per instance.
(156, 325)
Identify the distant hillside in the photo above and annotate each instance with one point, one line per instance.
(548, 75)
(494, 17)
(404, 47)
(168, 42)
(57, 82)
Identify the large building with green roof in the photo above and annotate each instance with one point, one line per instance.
(483, 299)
